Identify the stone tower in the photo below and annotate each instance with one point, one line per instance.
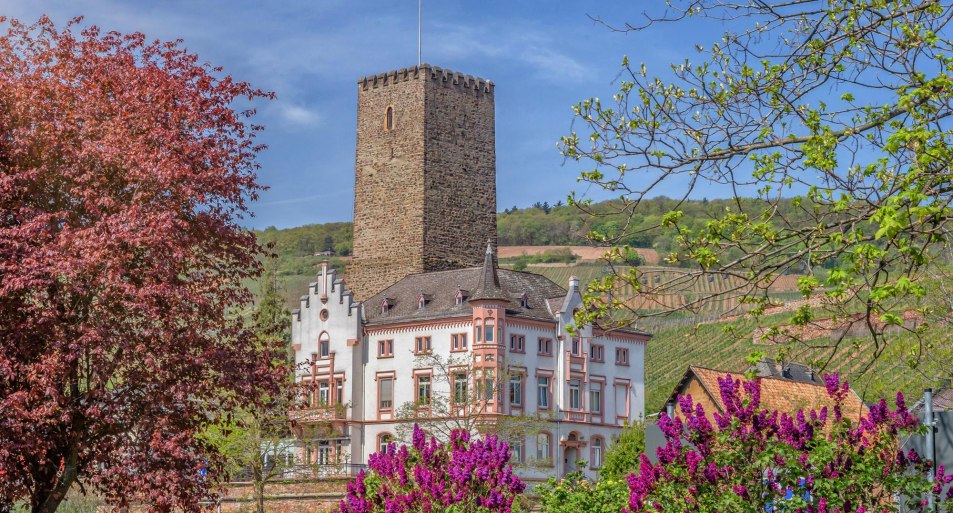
(425, 176)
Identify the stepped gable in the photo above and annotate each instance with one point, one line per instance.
(442, 286)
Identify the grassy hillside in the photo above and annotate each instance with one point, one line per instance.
(710, 345)
(675, 345)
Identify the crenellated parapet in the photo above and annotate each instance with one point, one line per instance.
(443, 76)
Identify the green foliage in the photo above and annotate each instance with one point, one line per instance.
(847, 153)
(575, 494)
(255, 442)
(622, 458)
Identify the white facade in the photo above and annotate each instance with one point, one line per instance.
(363, 367)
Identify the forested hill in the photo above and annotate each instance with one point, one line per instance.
(540, 225)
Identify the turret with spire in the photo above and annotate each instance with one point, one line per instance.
(489, 288)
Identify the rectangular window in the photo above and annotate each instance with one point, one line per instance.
(458, 342)
(516, 451)
(486, 388)
(517, 343)
(325, 346)
(340, 391)
(324, 454)
(576, 346)
(516, 390)
(595, 398)
(621, 356)
(324, 393)
(575, 402)
(621, 400)
(386, 393)
(542, 446)
(460, 388)
(545, 346)
(597, 353)
(422, 345)
(488, 325)
(385, 348)
(596, 453)
(542, 392)
(423, 390)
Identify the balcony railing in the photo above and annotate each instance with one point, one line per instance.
(319, 413)
(305, 471)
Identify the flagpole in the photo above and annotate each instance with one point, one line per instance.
(420, 8)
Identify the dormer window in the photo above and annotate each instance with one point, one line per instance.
(460, 297)
(422, 300)
(386, 305)
(524, 300)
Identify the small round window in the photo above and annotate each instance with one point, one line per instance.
(324, 314)
(389, 118)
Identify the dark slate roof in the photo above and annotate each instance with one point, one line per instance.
(769, 368)
(942, 401)
(442, 286)
(488, 285)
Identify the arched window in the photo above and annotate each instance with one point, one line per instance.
(389, 118)
(324, 344)
(488, 326)
(382, 440)
(596, 457)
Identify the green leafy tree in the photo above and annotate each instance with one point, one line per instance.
(459, 399)
(838, 110)
(622, 458)
(257, 442)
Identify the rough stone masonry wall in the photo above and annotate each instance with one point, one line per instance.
(388, 182)
(460, 173)
(425, 191)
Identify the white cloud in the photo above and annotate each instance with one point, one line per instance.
(298, 115)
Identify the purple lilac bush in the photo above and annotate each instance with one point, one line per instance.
(464, 476)
(752, 460)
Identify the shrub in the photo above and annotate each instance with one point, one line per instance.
(575, 494)
(466, 476)
(754, 460)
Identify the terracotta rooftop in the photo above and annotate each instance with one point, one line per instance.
(781, 394)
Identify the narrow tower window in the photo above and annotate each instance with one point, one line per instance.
(389, 119)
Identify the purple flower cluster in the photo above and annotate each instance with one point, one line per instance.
(758, 460)
(466, 475)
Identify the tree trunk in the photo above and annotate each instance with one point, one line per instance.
(260, 496)
(52, 500)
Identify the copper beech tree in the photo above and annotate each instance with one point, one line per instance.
(125, 166)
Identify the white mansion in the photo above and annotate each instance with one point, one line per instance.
(362, 357)
(424, 208)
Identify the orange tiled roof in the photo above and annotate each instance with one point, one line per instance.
(781, 394)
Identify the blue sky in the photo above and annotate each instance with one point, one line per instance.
(544, 56)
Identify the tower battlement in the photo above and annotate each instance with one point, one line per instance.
(446, 77)
(425, 175)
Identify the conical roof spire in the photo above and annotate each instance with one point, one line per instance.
(489, 285)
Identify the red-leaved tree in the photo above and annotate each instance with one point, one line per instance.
(125, 166)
